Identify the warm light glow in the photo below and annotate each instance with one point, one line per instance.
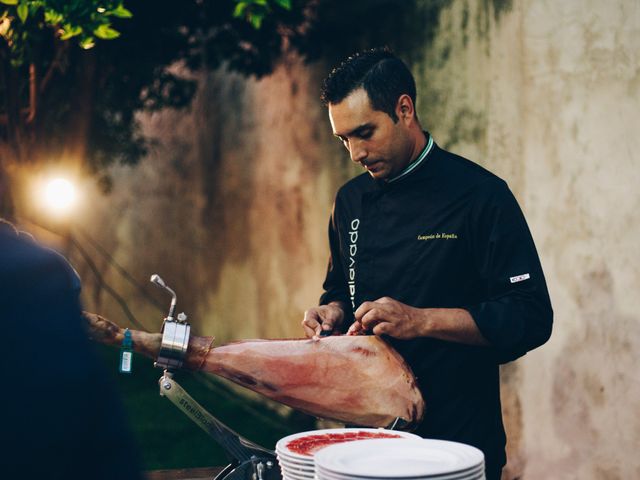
(59, 195)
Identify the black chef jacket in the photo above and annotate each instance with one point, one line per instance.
(448, 234)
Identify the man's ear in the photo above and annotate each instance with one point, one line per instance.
(404, 108)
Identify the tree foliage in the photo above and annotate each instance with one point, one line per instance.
(24, 22)
(60, 97)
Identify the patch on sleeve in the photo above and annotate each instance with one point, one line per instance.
(520, 278)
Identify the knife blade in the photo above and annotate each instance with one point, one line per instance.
(326, 333)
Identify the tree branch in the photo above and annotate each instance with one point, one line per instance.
(33, 93)
(102, 283)
(56, 64)
(4, 118)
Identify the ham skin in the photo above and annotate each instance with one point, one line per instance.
(358, 380)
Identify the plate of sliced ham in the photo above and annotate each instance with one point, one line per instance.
(305, 444)
(296, 452)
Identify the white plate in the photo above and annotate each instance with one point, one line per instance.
(398, 458)
(466, 471)
(475, 474)
(295, 462)
(471, 473)
(296, 466)
(293, 476)
(296, 470)
(297, 459)
(283, 450)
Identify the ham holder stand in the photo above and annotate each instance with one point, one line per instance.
(248, 461)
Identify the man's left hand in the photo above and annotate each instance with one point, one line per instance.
(387, 316)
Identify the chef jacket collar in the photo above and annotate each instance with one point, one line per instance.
(413, 165)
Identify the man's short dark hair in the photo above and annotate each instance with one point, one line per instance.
(382, 75)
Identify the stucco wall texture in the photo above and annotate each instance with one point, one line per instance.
(231, 207)
(546, 95)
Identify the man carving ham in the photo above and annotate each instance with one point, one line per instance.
(447, 305)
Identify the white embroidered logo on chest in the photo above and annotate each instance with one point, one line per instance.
(520, 278)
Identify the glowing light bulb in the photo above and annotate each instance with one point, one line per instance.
(59, 195)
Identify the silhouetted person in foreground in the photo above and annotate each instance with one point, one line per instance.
(60, 416)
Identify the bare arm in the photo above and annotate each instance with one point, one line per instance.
(391, 317)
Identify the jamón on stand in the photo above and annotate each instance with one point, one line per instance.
(358, 380)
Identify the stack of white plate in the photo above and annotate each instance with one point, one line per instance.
(296, 452)
(405, 459)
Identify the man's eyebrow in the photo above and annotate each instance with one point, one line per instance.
(356, 131)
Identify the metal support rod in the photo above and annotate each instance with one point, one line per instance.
(239, 448)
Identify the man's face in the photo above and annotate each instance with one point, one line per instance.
(372, 138)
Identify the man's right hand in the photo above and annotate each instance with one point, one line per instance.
(325, 317)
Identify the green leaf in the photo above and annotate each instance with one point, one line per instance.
(23, 12)
(240, 8)
(87, 43)
(120, 12)
(5, 25)
(52, 17)
(105, 32)
(70, 31)
(286, 4)
(256, 21)
(9, 2)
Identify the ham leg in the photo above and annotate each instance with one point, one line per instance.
(357, 380)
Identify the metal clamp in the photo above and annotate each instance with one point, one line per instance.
(175, 334)
(175, 341)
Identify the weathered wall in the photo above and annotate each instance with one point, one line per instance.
(545, 94)
(231, 207)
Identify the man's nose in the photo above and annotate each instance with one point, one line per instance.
(358, 152)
